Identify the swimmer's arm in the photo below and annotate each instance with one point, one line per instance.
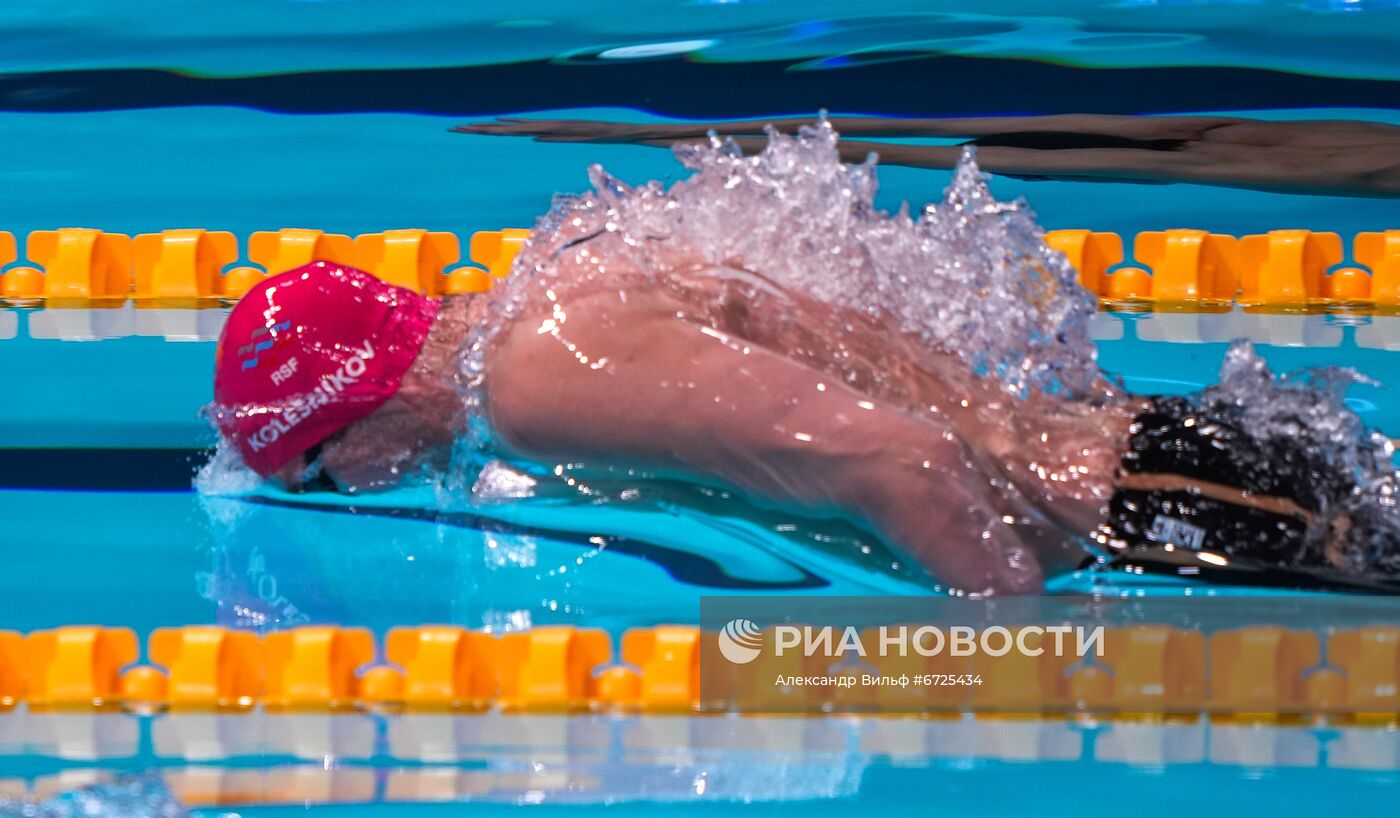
(1368, 172)
(1341, 158)
(638, 387)
(1104, 125)
(1119, 164)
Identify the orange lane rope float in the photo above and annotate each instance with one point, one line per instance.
(1144, 669)
(1179, 270)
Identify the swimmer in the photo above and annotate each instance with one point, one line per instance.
(1332, 157)
(656, 352)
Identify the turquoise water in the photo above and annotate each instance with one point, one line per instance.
(133, 116)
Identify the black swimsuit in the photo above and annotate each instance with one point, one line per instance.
(1209, 443)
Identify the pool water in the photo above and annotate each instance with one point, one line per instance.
(278, 113)
(576, 765)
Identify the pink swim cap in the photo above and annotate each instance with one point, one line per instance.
(308, 352)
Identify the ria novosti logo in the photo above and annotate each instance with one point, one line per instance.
(740, 641)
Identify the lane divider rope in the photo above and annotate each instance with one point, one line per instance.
(1171, 270)
(1145, 669)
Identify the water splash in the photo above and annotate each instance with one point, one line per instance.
(129, 796)
(1357, 486)
(970, 275)
(225, 474)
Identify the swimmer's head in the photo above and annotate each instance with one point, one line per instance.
(309, 352)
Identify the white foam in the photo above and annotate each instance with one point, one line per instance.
(970, 274)
(225, 475)
(1307, 409)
